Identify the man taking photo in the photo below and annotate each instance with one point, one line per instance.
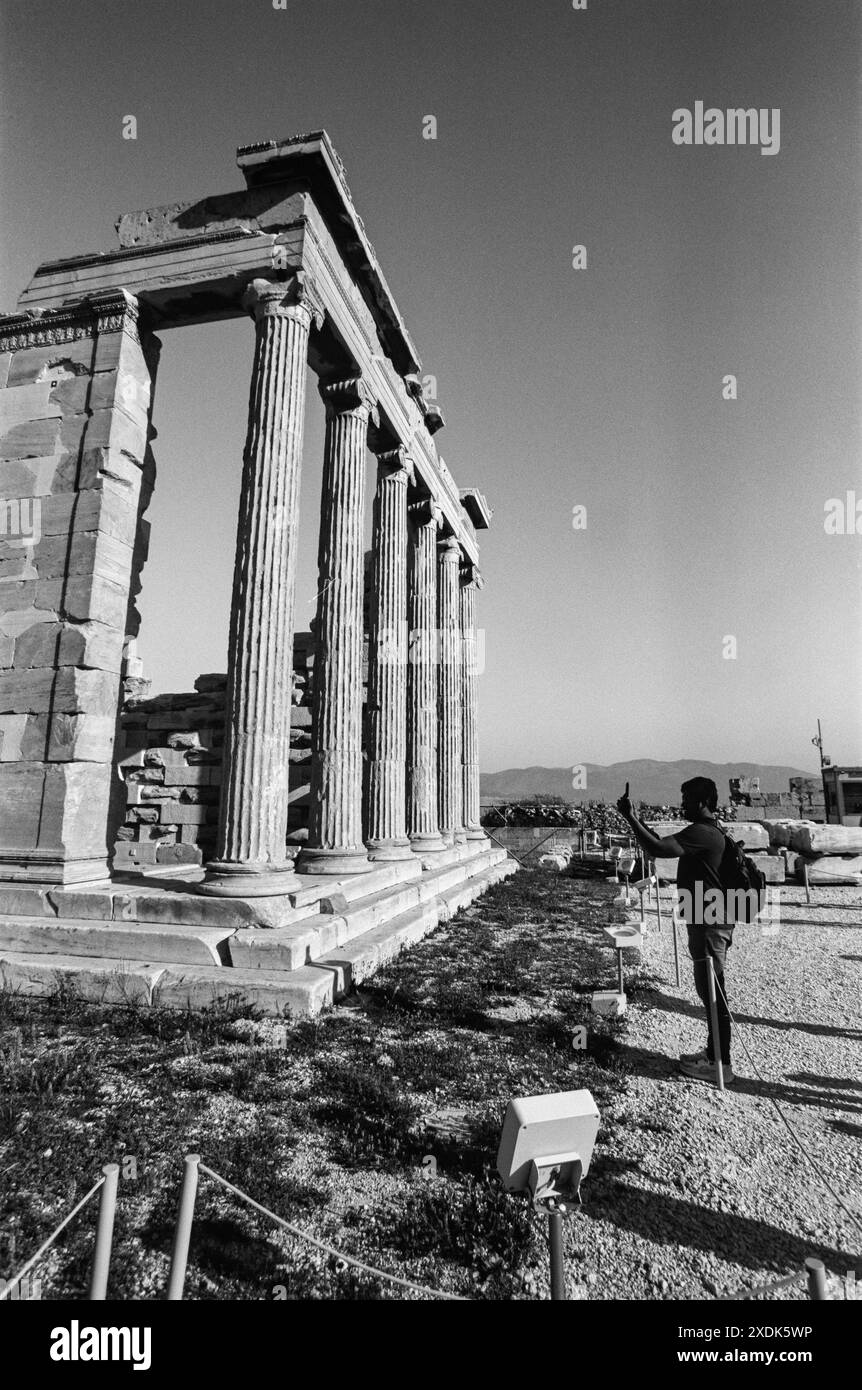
(700, 848)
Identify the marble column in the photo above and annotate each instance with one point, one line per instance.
(250, 859)
(387, 663)
(450, 796)
(471, 580)
(335, 812)
(422, 673)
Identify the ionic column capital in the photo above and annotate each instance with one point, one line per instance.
(396, 465)
(346, 394)
(449, 549)
(471, 575)
(268, 298)
(426, 513)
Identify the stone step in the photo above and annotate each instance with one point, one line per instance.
(116, 940)
(108, 981)
(303, 943)
(182, 984)
(100, 978)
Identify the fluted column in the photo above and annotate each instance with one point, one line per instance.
(450, 797)
(335, 812)
(422, 673)
(387, 663)
(471, 580)
(253, 814)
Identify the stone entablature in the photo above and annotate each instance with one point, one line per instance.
(77, 371)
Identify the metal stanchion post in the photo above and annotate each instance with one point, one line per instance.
(807, 884)
(182, 1235)
(658, 902)
(816, 1272)
(622, 986)
(104, 1234)
(713, 1023)
(555, 1242)
(675, 924)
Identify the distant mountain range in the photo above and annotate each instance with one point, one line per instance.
(654, 782)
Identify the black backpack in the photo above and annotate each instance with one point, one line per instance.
(739, 874)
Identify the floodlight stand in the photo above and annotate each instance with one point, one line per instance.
(555, 1245)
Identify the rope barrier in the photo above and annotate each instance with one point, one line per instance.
(330, 1249)
(792, 1132)
(50, 1241)
(759, 1291)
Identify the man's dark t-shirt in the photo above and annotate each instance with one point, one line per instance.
(703, 843)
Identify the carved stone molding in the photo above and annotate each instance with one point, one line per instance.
(112, 311)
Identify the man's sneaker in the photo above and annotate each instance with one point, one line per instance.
(702, 1069)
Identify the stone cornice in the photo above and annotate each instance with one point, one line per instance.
(130, 253)
(112, 311)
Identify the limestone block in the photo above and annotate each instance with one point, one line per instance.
(141, 774)
(771, 866)
(753, 835)
(87, 471)
(139, 815)
(144, 793)
(300, 717)
(21, 567)
(12, 728)
(198, 775)
(89, 644)
(178, 854)
(827, 839)
(33, 439)
(58, 806)
(107, 508)
(5, 363)
(50, 361)
(90, 552)
(75, 395)
(7, 650)
(69, 737)
(67, 690)
(86, 597)
(830, 870)
(182, 813)
(22, 405)
(31, 477)
(104, 429)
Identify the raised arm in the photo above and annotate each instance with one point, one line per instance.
(655, 846)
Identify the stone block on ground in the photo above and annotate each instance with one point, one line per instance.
(828, 870)
(827, 839)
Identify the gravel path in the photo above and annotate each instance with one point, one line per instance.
(704, 1194)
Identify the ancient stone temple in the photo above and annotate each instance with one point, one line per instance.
(150, 847)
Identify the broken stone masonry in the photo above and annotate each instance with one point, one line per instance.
(272, 838)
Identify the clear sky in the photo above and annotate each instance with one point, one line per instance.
(599, 387)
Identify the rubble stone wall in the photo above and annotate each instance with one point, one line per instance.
(170, 762)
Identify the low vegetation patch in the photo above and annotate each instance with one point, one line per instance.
(373, 1128)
